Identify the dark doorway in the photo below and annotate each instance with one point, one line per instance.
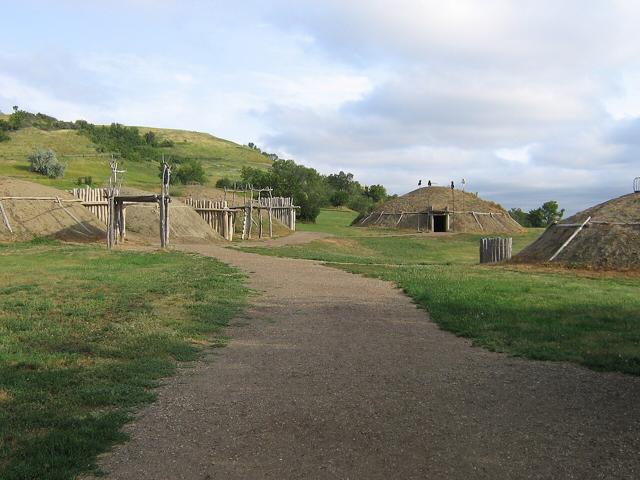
(439, 223)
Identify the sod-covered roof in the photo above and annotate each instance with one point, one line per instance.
(611, 238)
(468, 212)
(43, 216)
(439, 198)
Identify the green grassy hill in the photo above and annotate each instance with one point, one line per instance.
(220, 158)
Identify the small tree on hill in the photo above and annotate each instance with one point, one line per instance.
(189, 171)
(224, 182)
(150, 138)
(45, 162)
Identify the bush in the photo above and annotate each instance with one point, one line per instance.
(339, 198)
(187, 172)
(224, 183)
(45, 162)
(85, 181)
(3, 136)
(360, 203)
(150, 138)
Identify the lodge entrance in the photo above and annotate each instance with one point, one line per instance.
(440, 223)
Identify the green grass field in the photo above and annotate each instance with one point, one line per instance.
(85, 335)
(220, 158)
(588, 318)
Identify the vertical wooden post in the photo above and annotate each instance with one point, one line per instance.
(110, 219)
(250, 215)
(270, 216)
(164, 204)
(161, 206)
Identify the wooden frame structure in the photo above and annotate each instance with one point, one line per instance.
(116, 204)
(217, 214)
(430, 213)
(222, 216)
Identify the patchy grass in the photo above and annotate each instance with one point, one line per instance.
(85, 335)
(582, 317)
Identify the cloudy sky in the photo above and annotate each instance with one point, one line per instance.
(528, 101)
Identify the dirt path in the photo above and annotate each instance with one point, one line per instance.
(332, 375)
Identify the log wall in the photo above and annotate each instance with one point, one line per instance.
(493, 250)
(217, 214)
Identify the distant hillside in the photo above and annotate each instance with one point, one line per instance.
(220, 158)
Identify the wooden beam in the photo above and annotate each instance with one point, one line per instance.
(569, 239)
(5, 219)
(73, 216)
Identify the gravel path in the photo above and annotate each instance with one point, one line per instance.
(331, 375)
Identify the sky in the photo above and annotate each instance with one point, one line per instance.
(527, 101)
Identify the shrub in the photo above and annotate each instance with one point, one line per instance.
(45, 162)
(339, 198)
(3, 136)
(150, 138)
(187, 171)
(360, 203)
(85, 181)
(224, 183)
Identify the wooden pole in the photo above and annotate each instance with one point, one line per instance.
(5, 219)
(250, 215)
(553, 257)
(110, 220)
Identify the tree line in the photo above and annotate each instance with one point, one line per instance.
(542, 216)
(310, 189)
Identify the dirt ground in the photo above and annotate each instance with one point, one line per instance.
(332, 375)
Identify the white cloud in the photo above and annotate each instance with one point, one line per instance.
(527, 100)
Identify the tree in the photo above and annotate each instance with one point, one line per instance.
(360, 203)
(288, 179)
(339, 198)
(535, 218)
(539, 217)
(519, 216)
(376, 193)
(187, 172)
(551, 212)
(150, 138)
(45, 162)
(224, 182)
(342, 182)
(4, 127)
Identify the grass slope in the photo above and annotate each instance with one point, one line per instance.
(85, 334)
(584, 317)
(220, 158)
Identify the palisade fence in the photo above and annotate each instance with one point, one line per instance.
(95, 199)
(217, 214)
(493, 250)
(282, 209)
